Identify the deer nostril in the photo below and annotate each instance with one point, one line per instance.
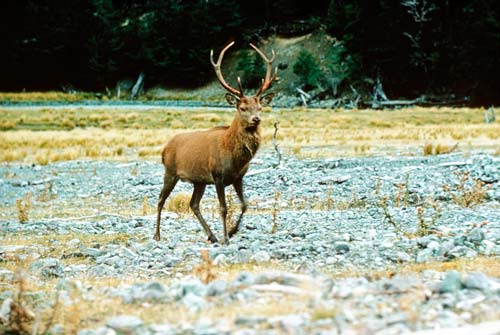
(256, 119)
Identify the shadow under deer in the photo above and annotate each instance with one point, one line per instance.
(219, 156)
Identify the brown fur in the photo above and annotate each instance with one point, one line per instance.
(197, 157)
(219, 156)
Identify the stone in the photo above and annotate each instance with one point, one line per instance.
(6, 275)
(116, 261)
(448, 319)
(217, 287)
(452, 282)
(402, 283)
(68, 285)
(126, 252)
(447, 246)
(425, 240)
(194, 302)
(476, 235)
(244, 278)
(290, 323)
(56, 329)
(461, 251)
(477, 280)
(261, 256)
(48, 268)
(395, 318)
(205, 327)
(243, 255)
(220, 260)
(459, 240)
(73, 243)
(489, 249)
(425, 256)
(101, 270)
(434, 246)
(341, 248)
(153, 291)
(126, 324)
(163, 329)
(249, 320)
(194, 286)
(399, 256)
(346, 237)
(92, 252)
(98, 331)
(5, 310)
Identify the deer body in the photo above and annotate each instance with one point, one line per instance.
(220, 151)
(220, 155)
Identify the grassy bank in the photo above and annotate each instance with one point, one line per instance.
(48, 135)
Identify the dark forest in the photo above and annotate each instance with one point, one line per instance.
(417, 47)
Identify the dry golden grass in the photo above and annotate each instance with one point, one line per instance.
(45, 96)
(85, 313)
(49, 135)
(487, 265)
(179, 203)
(45, 206)
(55, 246)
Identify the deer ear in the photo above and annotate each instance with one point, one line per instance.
(232, 99)
(266, 99)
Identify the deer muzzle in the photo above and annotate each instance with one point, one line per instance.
(255, 119)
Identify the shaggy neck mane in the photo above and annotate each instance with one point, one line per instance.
(243, 142)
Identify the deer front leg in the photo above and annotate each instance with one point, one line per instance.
(219, 186)
(238, 187)
(199, 190)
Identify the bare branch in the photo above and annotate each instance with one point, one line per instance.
(420, 10)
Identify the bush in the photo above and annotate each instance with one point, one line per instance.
(340, 66)
(252, 69)
(307, 69)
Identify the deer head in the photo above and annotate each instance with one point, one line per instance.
(248, 107)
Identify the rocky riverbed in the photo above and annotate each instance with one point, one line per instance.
(348, 240)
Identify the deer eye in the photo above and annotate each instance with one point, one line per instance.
(243, 109)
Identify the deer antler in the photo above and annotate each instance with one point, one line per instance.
(269, 63)
(218, 72)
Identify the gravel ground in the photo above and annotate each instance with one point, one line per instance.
(313, 218)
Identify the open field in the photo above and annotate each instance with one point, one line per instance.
(50, 135)
(356, 230)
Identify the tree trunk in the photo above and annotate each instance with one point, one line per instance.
(137, 86)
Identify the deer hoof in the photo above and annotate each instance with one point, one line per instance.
(156, 237)
(233, 231)
(212, 239)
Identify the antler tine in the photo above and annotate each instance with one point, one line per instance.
(218, 71)
(240, 86)
(269, 63)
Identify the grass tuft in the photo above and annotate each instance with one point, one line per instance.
(468, 192)
(23, 207)
(179, 203)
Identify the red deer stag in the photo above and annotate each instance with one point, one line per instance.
(220, 155)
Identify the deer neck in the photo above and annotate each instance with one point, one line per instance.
(243, 142)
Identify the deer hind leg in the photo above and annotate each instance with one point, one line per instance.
(169, 183)
(199, 190)
(238, 187)
(219, 187)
